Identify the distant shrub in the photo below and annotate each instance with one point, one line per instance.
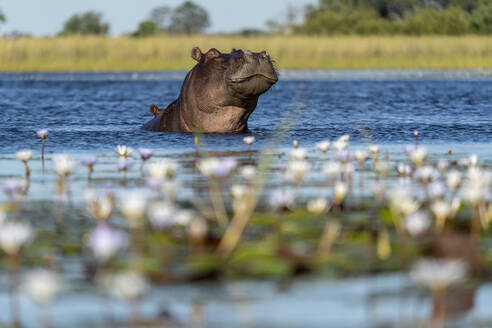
(452, 21)
(146, 28)
(89, 23)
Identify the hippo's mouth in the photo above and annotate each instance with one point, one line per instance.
(272, 79)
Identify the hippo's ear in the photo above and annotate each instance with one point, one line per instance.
(213, 53)
(196, 54)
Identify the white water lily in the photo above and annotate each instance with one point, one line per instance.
(332, 169)
(132, 206)
(105, 241)
(248, 172)
(162, 169)
(249, 140)
(438, 273)
(404, 170)
(416, 223)
(281, 199)
(123, 151)
(340, 145)
(14, 235)
(297, 170)
(99, 206)
(317, 206)
(340, 190)
(453, 180)
(162, 215)
(373, 149)
(217, 168)
(295, 143)
(42, 285)
(63, 165)
(402, 202)
(344, 138)
(323, 146)
(361, 156)
(441, 210)
(24, 155)
(128, 286)
(299, 154)
(418, 155)
(427, 174)
(239, 192)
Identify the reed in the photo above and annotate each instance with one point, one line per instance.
(290, 52)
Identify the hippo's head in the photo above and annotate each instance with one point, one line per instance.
(246, 74)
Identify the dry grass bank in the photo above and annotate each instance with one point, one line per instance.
(295, 52)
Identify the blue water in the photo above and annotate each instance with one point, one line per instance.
(95, 111)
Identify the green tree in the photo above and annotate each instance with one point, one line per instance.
(161, 16)
(89, 23)
(3, 19)
(481, 17)
(451, 21)
(146, 28)
(189, 18)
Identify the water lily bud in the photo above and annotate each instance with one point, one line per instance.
(42, 134)
(295, 143)
(416, 133)
(249, 140)
(145, 153)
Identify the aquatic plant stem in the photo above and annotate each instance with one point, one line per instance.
(42, 153)
(438, 315)
(218, 203)
(14, 263)
(28, 171)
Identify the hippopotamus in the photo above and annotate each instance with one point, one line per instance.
(218, 94)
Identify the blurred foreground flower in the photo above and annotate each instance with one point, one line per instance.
(161, 215)
(42, 285)
(14, 235)
(318, 206)
(99, 206)
(132, 206)
(163, 169)
(438, 273)
(63, 165)
(417, 223)
(282, 199)
(323, 146)
(128, 286)
(24, 156)
(217, 168)
(106, 241)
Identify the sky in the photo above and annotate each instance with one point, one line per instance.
(46, 17)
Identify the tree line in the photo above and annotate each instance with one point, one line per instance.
(413, 17)
(328, 17)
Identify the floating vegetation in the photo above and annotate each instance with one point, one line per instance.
(330, 211)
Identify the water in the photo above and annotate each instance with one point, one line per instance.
(90, 113)
(94, 112)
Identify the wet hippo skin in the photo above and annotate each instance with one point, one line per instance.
(218, 94)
